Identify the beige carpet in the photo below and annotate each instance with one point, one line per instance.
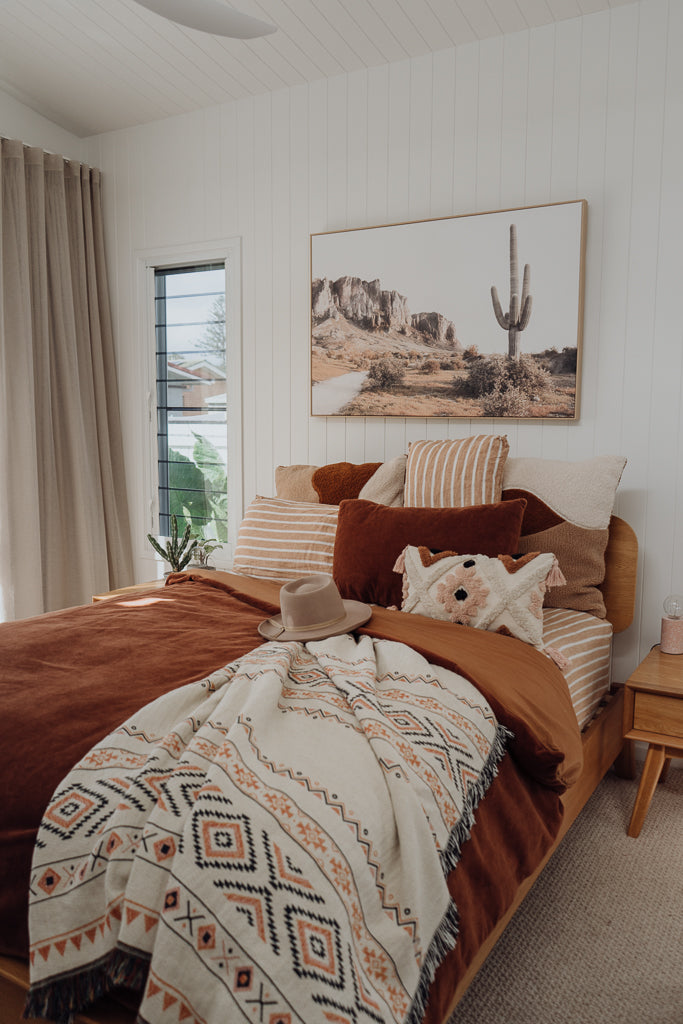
(599, 939)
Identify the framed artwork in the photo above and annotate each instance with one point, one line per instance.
(478, 315)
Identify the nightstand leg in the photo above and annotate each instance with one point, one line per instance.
(625, 764)
(654, 762)
(665, 770)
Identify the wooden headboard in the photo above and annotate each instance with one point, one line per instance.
(621, 565)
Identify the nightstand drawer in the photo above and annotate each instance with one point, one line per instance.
(656, 713)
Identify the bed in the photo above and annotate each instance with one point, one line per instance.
(184, 620)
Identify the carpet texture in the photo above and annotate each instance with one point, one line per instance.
(599, 939)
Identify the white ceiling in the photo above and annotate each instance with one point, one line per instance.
(96, 65)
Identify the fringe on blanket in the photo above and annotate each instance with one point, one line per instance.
(446, 935)
(58, 999)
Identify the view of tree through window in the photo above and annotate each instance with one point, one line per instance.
(192, 399)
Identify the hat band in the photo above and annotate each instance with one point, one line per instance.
(305, 629)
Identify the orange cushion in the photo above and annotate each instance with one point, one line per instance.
(340, 480)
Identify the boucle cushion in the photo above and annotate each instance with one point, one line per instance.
(502, 595)
(283, 540)
(386, 484)
(339, 480)
(569, 505)
(370, 537)
(294, 483)
(442, 474)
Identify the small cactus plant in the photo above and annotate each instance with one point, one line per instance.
(178, 551)
(516, 319)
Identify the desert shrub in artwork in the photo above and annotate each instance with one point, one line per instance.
(511, 402)
(499, 374)
(387, 372)
(558, 362)
(430, 366)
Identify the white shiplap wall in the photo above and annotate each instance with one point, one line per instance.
(588, 108)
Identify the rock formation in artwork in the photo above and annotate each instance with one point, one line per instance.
(373, 308)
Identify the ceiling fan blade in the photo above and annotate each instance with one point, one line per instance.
(213, 16)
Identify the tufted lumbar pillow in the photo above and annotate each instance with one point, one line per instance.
(502, 595)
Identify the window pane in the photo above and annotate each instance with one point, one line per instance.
(192, 399)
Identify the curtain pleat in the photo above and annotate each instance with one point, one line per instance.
(63, 510)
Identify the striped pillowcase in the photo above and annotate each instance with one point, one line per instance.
(444, 474)
(586, 642)
(282, 540)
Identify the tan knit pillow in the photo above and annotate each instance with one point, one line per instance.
(442, 474)
(283, 540)
(295, 483)
(569, 505)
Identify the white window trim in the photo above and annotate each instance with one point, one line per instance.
(228, 251)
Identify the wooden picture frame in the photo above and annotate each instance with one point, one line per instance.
(477, 315)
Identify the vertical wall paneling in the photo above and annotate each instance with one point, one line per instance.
(590, 173)
(398, 194)
(251, 381)
(653, 275)
(318, 221)
(540, 114)
(465, 128)
(489, 117)
(612, 196)
(668, 435)
(337, 218)
(376, 203)
(587, 108)
(299, 249)
(264, 268)
(356, 204)
(212, 170)
(442, 137)
(563, 171)
(282, 276)
(642, 273)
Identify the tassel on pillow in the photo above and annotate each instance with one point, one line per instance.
(555, 577)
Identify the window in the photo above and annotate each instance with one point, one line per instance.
(192, 398)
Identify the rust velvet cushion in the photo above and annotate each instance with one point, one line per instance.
(339, 480)
(370, 538)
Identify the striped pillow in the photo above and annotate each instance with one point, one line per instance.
(586, 643)
(282, 540)
(454, 474)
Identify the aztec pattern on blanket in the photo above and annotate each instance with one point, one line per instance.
(267, 844)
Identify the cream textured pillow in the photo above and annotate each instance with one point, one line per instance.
(569, 505)
(441, 474)
(283, 540)
(502, 595)
(385, 486)
(294, 483)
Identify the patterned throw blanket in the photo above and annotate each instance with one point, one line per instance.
(269, 844)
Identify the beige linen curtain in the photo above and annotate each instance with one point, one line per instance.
(64, 532)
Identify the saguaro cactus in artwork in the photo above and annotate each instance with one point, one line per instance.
(517, 317)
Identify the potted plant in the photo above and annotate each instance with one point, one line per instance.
(203, 551)
(177, 551)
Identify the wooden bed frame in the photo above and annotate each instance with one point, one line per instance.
(603, 746)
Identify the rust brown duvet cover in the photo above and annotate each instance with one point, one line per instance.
(68, 678)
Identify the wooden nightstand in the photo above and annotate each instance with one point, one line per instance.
(136, 588)
(653, 713)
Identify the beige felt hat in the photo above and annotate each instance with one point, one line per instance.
(311, 608)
